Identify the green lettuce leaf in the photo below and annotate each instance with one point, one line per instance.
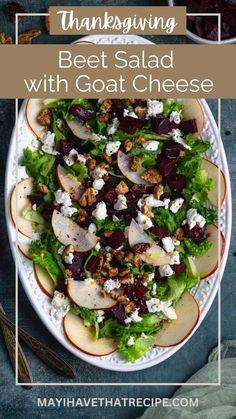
(195, 249)
(36, 218)
(141, 346)
(87, 315)
(109, 224)
(197, 145)
(40, 167)
(165, 218)
(39, 254)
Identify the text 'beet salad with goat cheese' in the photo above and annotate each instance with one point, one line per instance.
(120, 206)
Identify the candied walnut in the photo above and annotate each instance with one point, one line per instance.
(140, 111)
(69, 274)
(47, 21)
(123, 299)
(179, 233)
(113, 271)
(141, 247)
(100, 280)
(91, 163)
(158, 191)
(13, 7)
(114, 294)
(135, 163)
(104, 273)
(44, 117)
(137, 260)
(146, 210)
(5, 39)
(107, 233)
(88, 198)
(140, 140)
(130, 307)
(26, 37)
(122, 188)
(129, 279)
(107, 158)
(151, 175)
(68, 249)
(102, 293)
(119, 254)
(101, 260)
(43, 188)
(104, 117)
(106, 105)
(83, 215)
(128, 145)
(124, 272)
(144, 278)
(182, 153)
(129, 257)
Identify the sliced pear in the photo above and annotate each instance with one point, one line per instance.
(208, 263)
(44, 280)
(24, 248)
(154, 255)
(124, 163)
(83, 337)
(88, 294)
(79, 130)
(69, 183)
(23, 189)
(68, 232)
(192, 109)
(215, 174)
(176, 331)
(32, 110)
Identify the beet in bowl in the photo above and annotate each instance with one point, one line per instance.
(120, 211)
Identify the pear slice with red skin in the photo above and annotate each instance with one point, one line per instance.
(24, 248)
(69, 232)
(23, 189)
(176, 331)
(124, 163)
(154, 255)
(69, 183)
(44, 280)
(208, 263)
(32, 110)
(83, 337)
(192, 109)
(79, 130)
(88, 294)
(215, 174)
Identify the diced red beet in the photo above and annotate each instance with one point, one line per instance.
(136, 293)
(76, 266)
(159, 231)
(47, 212)
(161, 125)
(189, 126)
(35, 199)
(172, 149)
(166, 166)
(139, 102)
(110, 196)
(61, 287)
(179, 268)
(176, 183)
(118, 106)
(130, 124)
(116, 239)
(118, 313)
(197, 234)
(81, 112)
(93, 264)
(64, 147)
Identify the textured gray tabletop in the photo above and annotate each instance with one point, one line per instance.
(20, 403)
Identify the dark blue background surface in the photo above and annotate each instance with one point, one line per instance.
(17, 402)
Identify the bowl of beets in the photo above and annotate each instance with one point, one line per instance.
(204, 29)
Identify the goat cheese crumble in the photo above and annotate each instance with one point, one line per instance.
(176, 134)
(168, 244)
(121, 203)
(113, 127)
(175, 117)
(99, 172)
(130, 341)
(176, 204)
(155, 305)
(48, 141)
(174, 259)
(111, 284)
(60, 305)
(98, 184)
(74, 157)
(193, 219)
(151, 145)
(64, 199)
(144, 221)
(100, 315)
(92, 228)
(129, 113)
(69, 258)
(154, 107)
(112, 147)
(165, 270)
(133, 317)
(100, 211)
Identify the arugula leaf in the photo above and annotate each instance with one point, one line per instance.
(109, 224)
(87, 315)
(39, 253)
(195, 249)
